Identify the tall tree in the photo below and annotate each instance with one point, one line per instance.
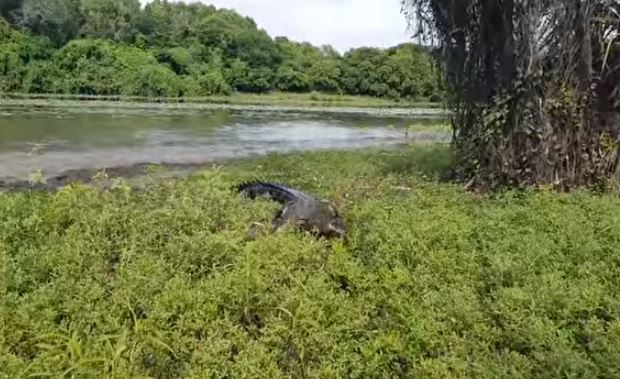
(535, 87)
(110, 19)
(59, 20)
(8, 9)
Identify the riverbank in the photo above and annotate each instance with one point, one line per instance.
(433, 282)
(279, 99)
(139, 175)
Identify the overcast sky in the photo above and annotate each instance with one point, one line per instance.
(341, 23)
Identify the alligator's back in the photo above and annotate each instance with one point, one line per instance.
(277, 192)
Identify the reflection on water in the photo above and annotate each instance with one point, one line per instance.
(55, 140)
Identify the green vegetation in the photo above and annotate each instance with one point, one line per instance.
(435, 281)
(532, 88)
(275, 98)
(114, 47)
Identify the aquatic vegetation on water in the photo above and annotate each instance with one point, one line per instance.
(434, 282)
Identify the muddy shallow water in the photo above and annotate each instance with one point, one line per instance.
(61, 143)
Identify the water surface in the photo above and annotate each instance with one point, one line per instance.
(55, 139)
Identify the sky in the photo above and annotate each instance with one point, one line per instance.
(344, 24)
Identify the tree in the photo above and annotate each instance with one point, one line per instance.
(290, 78)
(101, 46)
(237, 74)
(257, 49)
(534, 87)
(42, 77)
(116, 20)
(8, 9)
(59, 20)
(325, 74)
(89, 67)
(179, 59)
(153, 81)
(210, 77)
(259, 80)
(10, 67)
(6, 33)
(408, 70)
(18, 54)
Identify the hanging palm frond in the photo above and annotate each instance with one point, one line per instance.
(535, 87)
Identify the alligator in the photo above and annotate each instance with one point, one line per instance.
(302, 210)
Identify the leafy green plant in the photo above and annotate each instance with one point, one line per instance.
(433, 282)
(154, 81)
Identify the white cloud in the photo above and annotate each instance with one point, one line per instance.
(343, 24)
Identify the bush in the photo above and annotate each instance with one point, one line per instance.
(290, 79)
(98, 67)
(434, 282)
(210, 80)
(435, 98)
(153, 81)
(10, 67)
(6, 33)
(90, 67)
(178, 59)
(258, 81)
(42, 77)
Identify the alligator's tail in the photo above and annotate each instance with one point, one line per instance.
(276, 192)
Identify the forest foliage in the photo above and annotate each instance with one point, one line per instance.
(165, 49)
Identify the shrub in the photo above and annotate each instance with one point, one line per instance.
(42, 77)
(10, 67)
(153, 81)
(434, 282)
(210, 80)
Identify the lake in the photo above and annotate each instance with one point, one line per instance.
(59, 137)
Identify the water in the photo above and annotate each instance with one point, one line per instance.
(54, 139)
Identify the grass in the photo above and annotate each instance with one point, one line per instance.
(314, 99)
(434, 282)
(321, 99)
(436, 127)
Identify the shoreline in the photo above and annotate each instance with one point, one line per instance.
(269, 99)
(139, 175)
(276, 102)
(107, 104)
(106, 177)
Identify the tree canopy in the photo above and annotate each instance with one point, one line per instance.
(534, 87)
(187, 49)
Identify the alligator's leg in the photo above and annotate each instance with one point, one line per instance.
(279, 220)
(288, 215)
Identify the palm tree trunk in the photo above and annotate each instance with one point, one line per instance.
(535, 87)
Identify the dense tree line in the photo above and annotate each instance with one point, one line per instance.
(178, 49)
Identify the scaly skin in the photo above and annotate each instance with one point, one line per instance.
(301, 210)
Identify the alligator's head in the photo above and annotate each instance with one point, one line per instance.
(335, 226)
